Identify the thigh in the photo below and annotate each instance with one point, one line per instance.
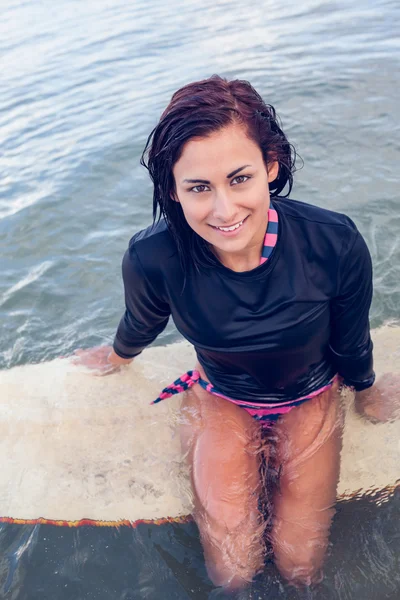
(308, 444)
(222, 445)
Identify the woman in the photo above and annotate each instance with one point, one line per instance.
(275, 295)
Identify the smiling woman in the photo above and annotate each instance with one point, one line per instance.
(227, 206)
(274, 294)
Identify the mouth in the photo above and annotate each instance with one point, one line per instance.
(230, 229)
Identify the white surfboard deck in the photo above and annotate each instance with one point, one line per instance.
(76, 446)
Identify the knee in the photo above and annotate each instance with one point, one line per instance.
(305, 568)
(299, 552)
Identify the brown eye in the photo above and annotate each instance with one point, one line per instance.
(196, 188)
(245, 177)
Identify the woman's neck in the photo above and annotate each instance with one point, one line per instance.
(243, 262)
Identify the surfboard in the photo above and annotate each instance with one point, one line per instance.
(82, 449)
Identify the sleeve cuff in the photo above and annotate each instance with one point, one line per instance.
(359, 386)
(357, 370)
(125, 353)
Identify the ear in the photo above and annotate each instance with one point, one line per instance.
(273, 170)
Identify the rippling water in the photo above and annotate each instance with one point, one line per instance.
(83, 84)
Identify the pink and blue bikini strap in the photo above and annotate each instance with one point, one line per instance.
(271, 235)
(183, 383)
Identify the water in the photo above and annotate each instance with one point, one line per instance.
(83, 84)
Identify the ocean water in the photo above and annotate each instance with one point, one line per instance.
(82, 86)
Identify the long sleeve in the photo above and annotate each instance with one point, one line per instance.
(350, 341)
(146, 314)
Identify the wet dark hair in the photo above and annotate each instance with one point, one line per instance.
(197, 110)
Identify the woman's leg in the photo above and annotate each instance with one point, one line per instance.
(222, 443)
(308, 443)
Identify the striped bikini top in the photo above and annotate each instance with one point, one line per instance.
(271, 235)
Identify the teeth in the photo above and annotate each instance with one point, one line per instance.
(231, 228)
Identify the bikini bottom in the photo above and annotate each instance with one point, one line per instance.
(263, 412)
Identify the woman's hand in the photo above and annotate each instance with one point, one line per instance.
(101, 359)
(381, 402)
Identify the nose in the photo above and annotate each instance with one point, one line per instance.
(224, 210)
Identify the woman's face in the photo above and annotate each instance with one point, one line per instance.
(222, 185)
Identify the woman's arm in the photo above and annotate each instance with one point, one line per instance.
(146, 313)
(146, 316)
(350, 340)
(351, 343)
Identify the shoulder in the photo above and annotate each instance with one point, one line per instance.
(151, 251)
(311, 215)
(322, 228)
(154, 239)
(153, 244)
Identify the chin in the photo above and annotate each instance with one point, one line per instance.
(231, 245)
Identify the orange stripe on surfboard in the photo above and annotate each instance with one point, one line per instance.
(94, 523)
(380, 494)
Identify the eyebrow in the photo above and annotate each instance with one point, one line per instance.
(208, 182)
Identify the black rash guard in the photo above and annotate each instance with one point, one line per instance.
(275, 333)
